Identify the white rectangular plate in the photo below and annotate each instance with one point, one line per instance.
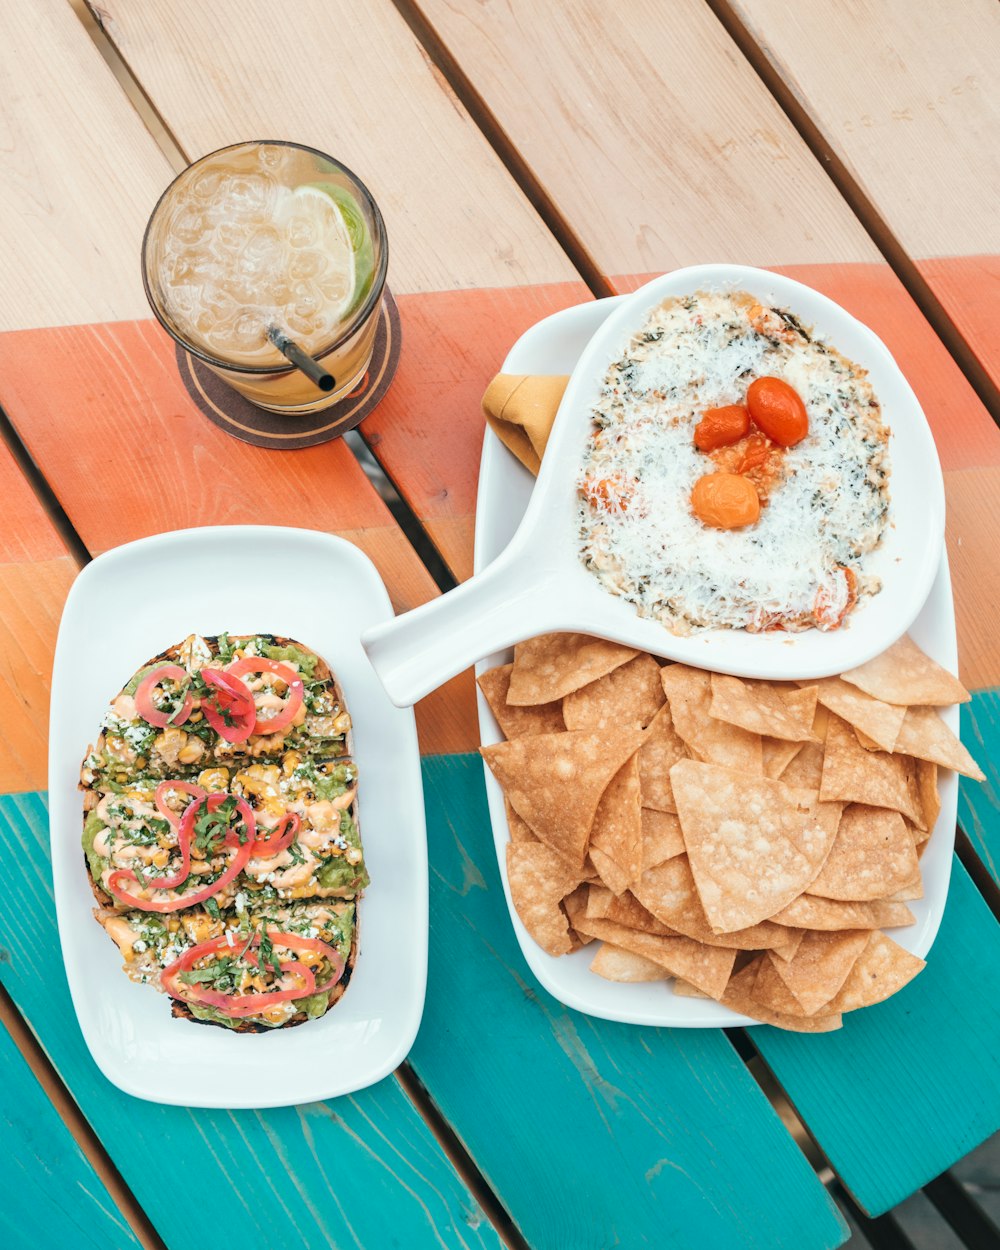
(130, 604)
(553, 346)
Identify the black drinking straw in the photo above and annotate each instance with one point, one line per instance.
(313, 370)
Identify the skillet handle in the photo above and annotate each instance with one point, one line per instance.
(420, 650)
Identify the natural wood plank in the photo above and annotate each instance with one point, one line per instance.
(362, 90)
(143, 460)
(52, 1195)
(909, 1086)
(662, 148)
(362, 1171)
(906, 97)
(35, 575)
(79, 174)
(653, 1124)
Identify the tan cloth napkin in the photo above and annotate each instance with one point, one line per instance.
(520, 410)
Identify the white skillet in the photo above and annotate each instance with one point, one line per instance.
(538, 584)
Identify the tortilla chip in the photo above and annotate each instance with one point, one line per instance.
(903, 674)
(806, 768)
(869, 743)
(707, 967)
(670, 894)
(854, 775)
(689, 694)
(519, 830)
(878, 721)
(809, 911)
(555, 782)
(539, 880)
(615, 964)
(608, 872)
(627, 697)
(930, 798)
(778, 754)
(791, 940)
(820, 967)
(872, 856)
(925, 736)
(882, 968)
(553, 665)
(911, 890)
(627, 910)
(517, 722)
(762, 707)
(753, 844)
(739, 997)
(660, 751)
(684, 989)
(616, 835)
(661, 836)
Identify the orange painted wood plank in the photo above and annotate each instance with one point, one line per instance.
(35, 575)
(128, 454)
(428, 431)
(906, 95)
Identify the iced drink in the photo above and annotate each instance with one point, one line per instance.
(261, 240)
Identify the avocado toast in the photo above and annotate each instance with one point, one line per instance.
(220, 798)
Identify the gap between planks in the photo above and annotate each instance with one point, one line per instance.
(441, 59)
(76, 1123)
(91, 16)
(867, 215)
(871, 219)
(883, 1232)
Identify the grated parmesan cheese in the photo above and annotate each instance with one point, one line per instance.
(829, 508)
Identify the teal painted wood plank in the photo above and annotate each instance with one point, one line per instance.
(593, 1134)
(909, 1086)
(362, 1171)
(979, 802)
(51, 1194)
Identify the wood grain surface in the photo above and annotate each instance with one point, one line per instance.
(79, 174)
(35, 575)
(361, 89)
(363, 1171)
(594, 1134)
(50, 1191)
(906, 96)
(911, 1085)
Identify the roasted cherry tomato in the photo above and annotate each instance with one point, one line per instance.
(778, 410)
(758, 449)
(725, 501)
(720, 427)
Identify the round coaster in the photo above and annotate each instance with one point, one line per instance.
(285, 431)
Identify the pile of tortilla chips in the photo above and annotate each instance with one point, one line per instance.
(749, 839)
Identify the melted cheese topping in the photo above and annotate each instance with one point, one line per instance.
(638, 532)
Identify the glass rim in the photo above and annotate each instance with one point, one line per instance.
(357, 321)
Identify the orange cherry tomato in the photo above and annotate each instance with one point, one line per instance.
(726, 501)
(719, 427)
(758, 449)
(778, 410)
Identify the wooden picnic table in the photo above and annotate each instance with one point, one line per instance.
(527, 156)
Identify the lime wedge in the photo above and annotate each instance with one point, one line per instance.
(315, 223)
(358, 232)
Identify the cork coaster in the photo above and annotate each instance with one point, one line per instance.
(283, 431)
